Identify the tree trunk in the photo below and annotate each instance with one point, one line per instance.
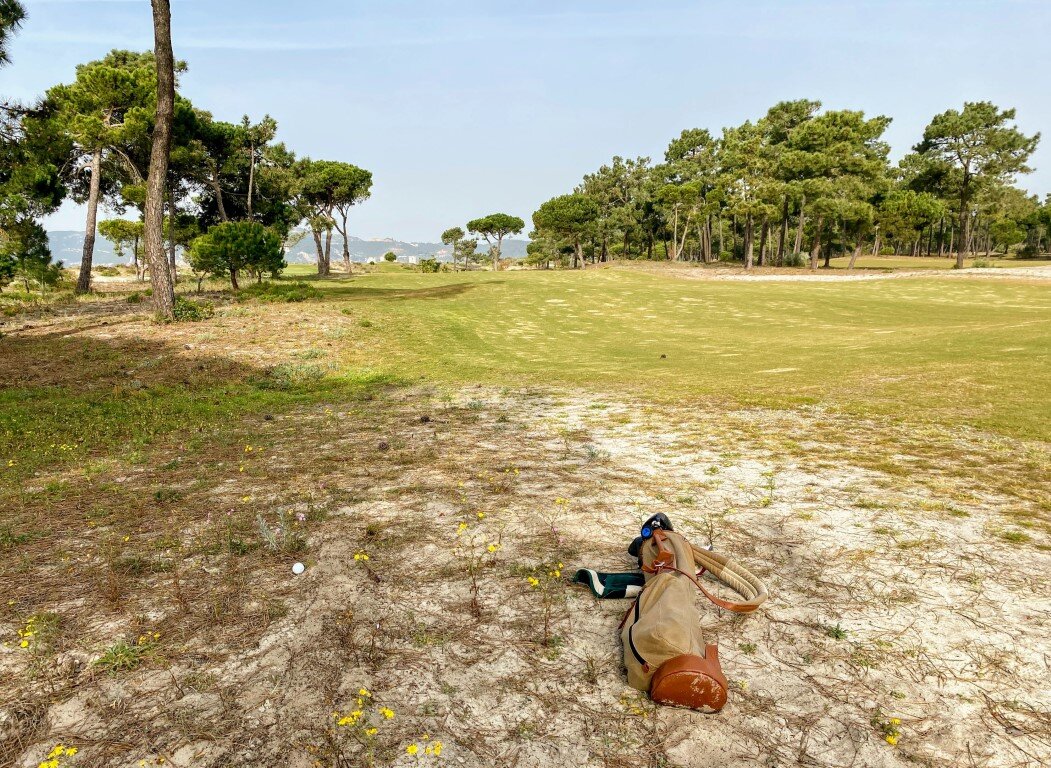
(875, 242)
(160, 278)
(218, 190)
(251, 176)
(233, 280)
(815, 251)
(328, 250)
(965, 226)
(799, 229)
(783, 239)
(707, 240)
(84, 279)
(855, 254)
(171, 235)
(763, 240)
(496, 253)
(346, 247)
(749, 239)
(140, 270)
(673, 255)
(578, 249)
(322, 264)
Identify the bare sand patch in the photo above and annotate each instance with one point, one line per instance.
(892, 598)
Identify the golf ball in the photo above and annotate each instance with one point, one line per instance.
(298, 568)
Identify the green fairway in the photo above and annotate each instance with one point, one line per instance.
(956, 352)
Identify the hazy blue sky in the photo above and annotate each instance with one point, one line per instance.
(461, 108)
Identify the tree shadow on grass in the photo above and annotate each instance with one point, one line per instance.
(360, 292)
(64, 399)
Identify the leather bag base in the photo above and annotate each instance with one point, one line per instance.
(696, 682)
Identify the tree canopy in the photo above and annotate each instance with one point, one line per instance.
(12, 13)
(229, 248)
(494, 228)
(735, 196)
(976, 147)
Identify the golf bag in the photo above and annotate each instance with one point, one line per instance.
(664, 651)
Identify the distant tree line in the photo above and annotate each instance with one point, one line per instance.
(232, 196)
(801, 185)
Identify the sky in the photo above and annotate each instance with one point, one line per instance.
(463, 108)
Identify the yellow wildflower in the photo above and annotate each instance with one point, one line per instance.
(892, 739)
(364, 692)
(481, 515)
(387, 712)
(371, 731)
(493, 548)
(438, 744)
(412, 749)
(533, 582)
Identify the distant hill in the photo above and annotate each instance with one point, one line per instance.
(68, 245)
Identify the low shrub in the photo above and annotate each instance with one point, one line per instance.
(280, 292)
(795, 260)
(190, 311)
(430, 265)
(291, 376)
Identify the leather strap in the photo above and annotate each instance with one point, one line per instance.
(665, 561)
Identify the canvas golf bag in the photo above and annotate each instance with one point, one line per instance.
(664, 650)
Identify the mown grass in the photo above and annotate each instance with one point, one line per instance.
(953, 352)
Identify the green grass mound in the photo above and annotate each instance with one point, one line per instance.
(280, 292)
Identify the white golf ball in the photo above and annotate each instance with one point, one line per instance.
(298, 568)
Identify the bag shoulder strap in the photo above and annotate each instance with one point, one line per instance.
(728, 571)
